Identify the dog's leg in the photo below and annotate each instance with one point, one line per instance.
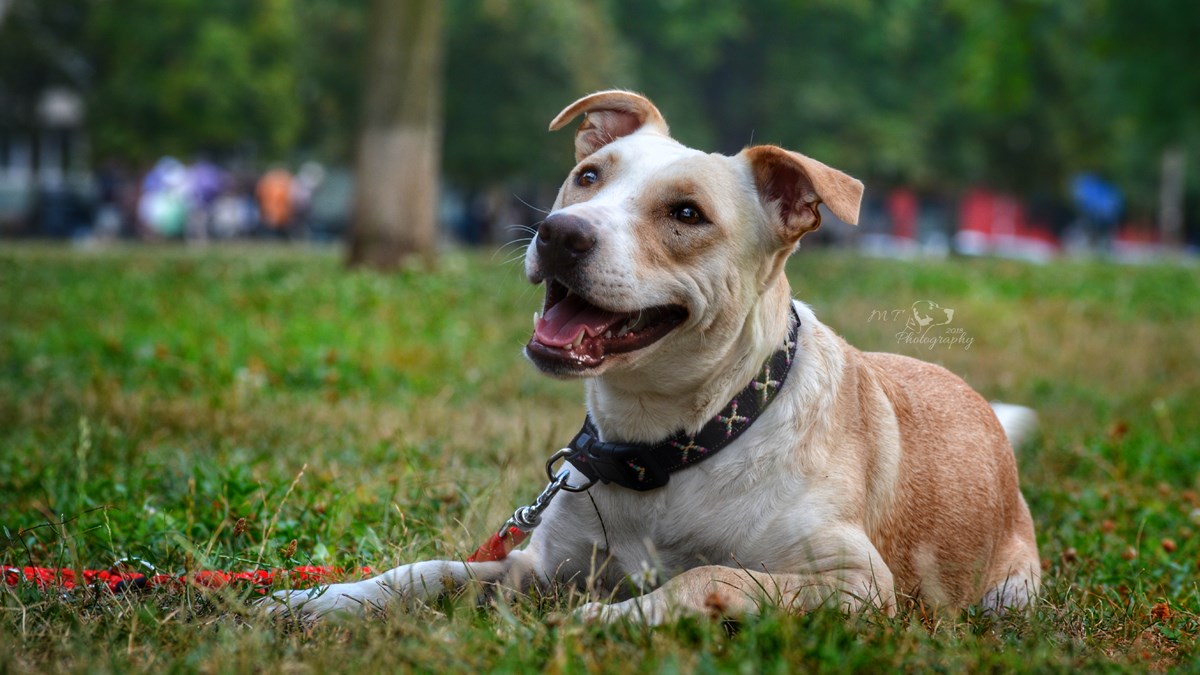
(413, 582)
(1023, 573)
(727, 591)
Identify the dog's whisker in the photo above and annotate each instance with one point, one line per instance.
(519, 256)
(521, 228)
(515, 259)
(518, 198)
(516, 243)
(516, 247)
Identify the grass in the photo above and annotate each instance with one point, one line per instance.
(150, 398)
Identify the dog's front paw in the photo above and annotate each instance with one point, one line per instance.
(351, 599)
(284, 603)
(644, 610)
(592, 612)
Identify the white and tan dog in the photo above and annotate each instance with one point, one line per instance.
(870, 477)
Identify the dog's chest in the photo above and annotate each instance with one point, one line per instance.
(736, 509)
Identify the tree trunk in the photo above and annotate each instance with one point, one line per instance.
(399, 147)
(1170, 197)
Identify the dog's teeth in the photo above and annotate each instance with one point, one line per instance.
(578, 340)
(624, 330)
(536, 316)
(608, 334)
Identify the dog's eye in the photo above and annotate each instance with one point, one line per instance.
(687, 214)
(587, 177)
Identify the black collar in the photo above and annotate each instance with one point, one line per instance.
(645, 466)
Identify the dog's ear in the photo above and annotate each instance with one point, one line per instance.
(609, 115)
(792, 185)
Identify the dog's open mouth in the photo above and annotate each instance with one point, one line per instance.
(573, 332)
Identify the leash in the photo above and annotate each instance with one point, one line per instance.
(118, 580)
(646, 466)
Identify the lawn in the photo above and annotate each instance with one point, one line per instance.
(150, 398)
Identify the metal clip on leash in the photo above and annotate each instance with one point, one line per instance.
(526, 518)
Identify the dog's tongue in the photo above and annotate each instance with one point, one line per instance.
(571, 316)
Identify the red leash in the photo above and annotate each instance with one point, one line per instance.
(119, 581)
(499, 545)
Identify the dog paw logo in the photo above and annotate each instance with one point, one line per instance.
(926, 324)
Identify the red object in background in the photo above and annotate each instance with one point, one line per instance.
(119, 581)
(903, 208)
(992, 222)
(975, 212)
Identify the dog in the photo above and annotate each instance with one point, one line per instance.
(859, 480)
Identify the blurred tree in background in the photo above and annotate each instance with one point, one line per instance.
(511, 66)
(187, 76)
(933, 94)
(399, 148)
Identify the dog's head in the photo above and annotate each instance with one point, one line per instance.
(926, 314)
(656, 248)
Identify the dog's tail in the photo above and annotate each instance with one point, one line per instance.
(1020, 423)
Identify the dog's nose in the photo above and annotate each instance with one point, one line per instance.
(563, 239)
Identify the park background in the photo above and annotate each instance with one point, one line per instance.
(1025, 129)
(196, 387)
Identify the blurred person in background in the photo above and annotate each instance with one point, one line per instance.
(308, 179)
(202, 185)
(111, 184)
(234, 212)
(163, 206)
(1100, 206)
(275, 203)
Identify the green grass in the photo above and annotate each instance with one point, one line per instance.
(149, 398)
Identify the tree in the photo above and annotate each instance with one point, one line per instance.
(506, 82)
(330, 64)
(39, 48)
(188, 76)
(1150, 50)
(399, 147)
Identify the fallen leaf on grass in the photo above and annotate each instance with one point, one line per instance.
(1160, 612)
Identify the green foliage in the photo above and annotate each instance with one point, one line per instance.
(151, 398)
(330, 61)
(186, 76)
(39, 48)
(511, 66)
(934, 93)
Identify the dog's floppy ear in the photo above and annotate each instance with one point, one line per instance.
(792, 185)
(609, 115)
